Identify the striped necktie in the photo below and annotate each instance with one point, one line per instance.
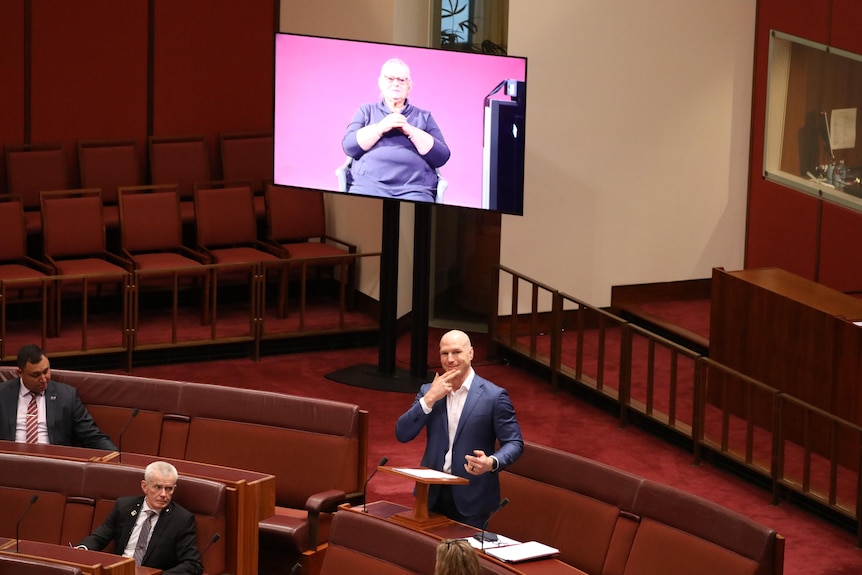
(33, 419)
(144, 537)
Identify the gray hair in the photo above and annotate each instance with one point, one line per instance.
(162, 468)
(398, 61)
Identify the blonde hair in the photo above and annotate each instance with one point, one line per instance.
(456, 557)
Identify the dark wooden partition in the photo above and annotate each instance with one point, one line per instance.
(794, 335)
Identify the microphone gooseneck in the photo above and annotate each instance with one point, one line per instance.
(33, 500)
(123, 431)
(213, 539)
(482, 536)
(216, 536)
(383, 462)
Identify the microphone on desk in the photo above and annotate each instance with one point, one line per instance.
(213, 539)
(125, 427)
(383, 462)
(18, 525)
(482, 536)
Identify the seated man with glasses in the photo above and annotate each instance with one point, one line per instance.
(396, 147)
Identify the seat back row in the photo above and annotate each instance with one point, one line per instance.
(111, 164)
(606, 521)
(272, 433)
(362, 544)
(152, 237)
(74, 497)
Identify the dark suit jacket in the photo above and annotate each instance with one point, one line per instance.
(173, 545)
(69, 422)
(487, 417)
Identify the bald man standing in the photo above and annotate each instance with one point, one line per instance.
(464, 416)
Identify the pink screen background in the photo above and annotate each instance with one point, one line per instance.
(321, 82)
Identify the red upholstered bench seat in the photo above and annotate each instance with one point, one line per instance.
(74, 497)
(272, 433)
(606, 521)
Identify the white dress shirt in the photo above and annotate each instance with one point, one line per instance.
(454, 406)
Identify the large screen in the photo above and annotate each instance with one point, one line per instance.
(456, 137)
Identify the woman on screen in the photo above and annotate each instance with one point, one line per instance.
(396, 147)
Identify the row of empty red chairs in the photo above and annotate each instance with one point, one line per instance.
(108, 165)
(151, 234)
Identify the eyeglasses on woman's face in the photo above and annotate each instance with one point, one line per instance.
(395, 80)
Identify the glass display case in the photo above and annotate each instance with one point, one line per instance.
(811, 143)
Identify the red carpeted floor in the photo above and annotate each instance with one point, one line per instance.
(561, 420)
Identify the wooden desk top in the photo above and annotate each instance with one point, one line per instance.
(804, 291)
(414, 473)
(90, 562)
(57, 451)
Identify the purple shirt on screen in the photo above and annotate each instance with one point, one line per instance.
(393, 168)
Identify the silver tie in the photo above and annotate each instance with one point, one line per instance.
(144, 537)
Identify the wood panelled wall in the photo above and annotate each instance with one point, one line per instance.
(82, 70)
(803, 234)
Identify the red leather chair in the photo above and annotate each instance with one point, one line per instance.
(74, 243)
(107, 165)
(151, 237)
(32, 169)
(180, 160)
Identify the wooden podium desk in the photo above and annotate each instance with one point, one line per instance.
(420, 516)
(89, 562)
(453, 530)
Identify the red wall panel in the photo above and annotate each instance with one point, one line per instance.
(846, 18)
(806, 18)
(213, 68)
(782, 229)
(840, 253)
(787, 228)
(89, 72)
(12, 74)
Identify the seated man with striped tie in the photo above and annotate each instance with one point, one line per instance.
(36, 409)
(152, 529)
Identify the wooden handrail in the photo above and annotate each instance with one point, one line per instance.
(698, 431)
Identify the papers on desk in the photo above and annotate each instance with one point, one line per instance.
(522, 551)
(423, 473)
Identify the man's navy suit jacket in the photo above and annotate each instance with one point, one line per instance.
(487, 417)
